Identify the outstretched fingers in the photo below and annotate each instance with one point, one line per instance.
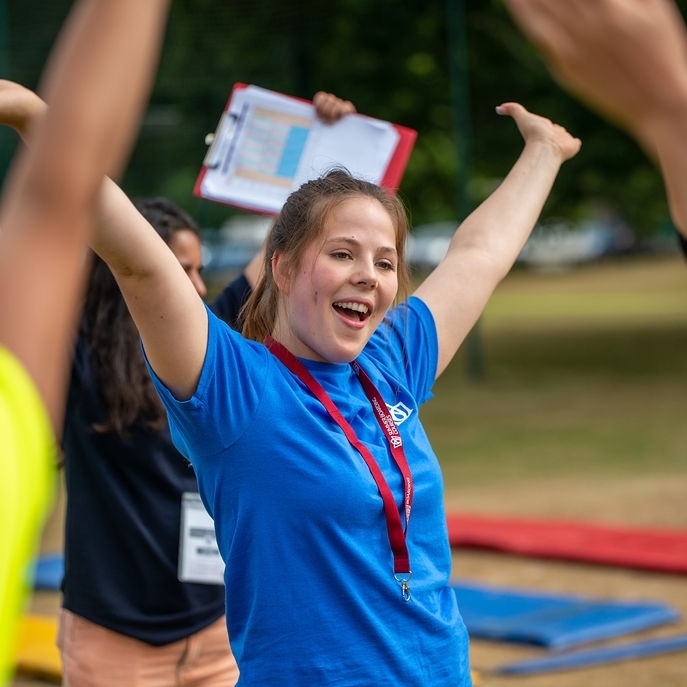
(535, 127)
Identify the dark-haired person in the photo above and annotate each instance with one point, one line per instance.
(129, 616)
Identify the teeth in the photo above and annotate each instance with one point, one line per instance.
(358, 307)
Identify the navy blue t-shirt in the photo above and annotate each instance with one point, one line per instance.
(122, 528)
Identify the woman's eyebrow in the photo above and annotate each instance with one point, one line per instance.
(351, 240)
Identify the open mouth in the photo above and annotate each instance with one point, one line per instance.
(353, 310)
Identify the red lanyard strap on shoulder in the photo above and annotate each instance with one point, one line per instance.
(396, 532)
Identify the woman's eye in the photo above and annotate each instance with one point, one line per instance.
(340, 255)
(387, 265)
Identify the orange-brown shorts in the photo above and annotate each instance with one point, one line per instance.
(93, 656)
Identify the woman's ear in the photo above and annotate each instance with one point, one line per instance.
(281, 272)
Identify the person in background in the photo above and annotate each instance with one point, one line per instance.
(627, 60)
(129, 614)
(97, 93)
(304, 431)
(138, 606)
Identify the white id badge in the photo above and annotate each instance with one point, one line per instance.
(199, 559)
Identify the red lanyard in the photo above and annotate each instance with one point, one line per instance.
(397, 534)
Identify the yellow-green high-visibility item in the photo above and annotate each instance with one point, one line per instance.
(27, 447)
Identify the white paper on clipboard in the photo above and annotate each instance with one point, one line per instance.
(267, 144)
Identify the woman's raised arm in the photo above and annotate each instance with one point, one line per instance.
(486, 245)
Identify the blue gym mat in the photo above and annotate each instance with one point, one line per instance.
(584, 658)
(48, 571)
(556, 621)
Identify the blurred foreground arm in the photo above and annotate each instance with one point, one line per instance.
(626, 59)
(96, 82)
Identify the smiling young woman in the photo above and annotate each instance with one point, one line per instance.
(304, 430)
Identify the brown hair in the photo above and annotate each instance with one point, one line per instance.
(300, 222)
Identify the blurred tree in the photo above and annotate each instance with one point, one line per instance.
(391, 58)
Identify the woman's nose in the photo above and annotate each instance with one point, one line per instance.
(366, 274)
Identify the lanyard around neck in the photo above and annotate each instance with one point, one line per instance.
(396, 531)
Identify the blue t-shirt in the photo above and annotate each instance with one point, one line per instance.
(310, 592)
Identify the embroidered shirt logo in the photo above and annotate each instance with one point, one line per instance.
(400, 412)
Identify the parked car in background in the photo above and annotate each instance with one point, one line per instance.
(227, 250)
(559, 243)
(427, 244)
(552, 244)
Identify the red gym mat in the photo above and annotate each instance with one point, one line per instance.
(648, 549)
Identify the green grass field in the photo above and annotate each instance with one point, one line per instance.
(583, 370)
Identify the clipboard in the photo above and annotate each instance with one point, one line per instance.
(267, 144)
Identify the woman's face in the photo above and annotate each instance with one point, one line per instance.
(332, 302)
(185, 244)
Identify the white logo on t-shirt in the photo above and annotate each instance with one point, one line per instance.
(400, 412)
